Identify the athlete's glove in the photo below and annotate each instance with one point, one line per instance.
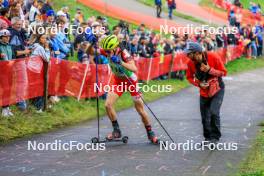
(116, 59)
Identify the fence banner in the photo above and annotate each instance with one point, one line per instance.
(22, 79)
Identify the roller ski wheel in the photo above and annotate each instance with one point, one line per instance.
(95, 140)
(125, 139)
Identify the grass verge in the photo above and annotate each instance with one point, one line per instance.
(70, 111)
(253, 165)
(210, 3)
(176, 13)
(246, 3)
(88, 12)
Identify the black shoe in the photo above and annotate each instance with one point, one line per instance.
(214, 141)
(205, 142)
(212, 144)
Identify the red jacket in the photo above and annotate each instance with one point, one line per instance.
(217, 69)
(6, 20)
(170, 2)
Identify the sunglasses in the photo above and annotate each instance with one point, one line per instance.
(108, 51)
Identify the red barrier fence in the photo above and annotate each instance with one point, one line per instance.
(22, 79)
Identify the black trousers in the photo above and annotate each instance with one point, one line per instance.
(210, 112)
(159, 9)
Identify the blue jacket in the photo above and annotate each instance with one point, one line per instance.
(57, 44)
(158, 2)
(55, 47)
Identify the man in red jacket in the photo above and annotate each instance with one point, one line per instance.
(205, 70)
(171, 7)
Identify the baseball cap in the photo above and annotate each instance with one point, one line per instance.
(60, 13)
(50, 13)
(4, 32)
(94, 24)
(193, 47)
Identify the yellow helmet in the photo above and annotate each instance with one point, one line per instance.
(109, 43)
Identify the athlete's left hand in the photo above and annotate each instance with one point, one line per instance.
(205, 68)
(115, 59)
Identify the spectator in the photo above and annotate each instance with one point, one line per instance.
(46, 7)
(62, 36)
(50, 18)
(220, 42)
(238, 3)
(158, 4)
(82, 53)
(81, 37)
(34, 11)
(232, 18)
(142, 47)
(6, 54)
(41, 49)
(205, 71)
(18, 42)
(58, 48)
(116, 30)
(1, 4)
(239, 18)
(19, 9)
(134, 47)
(79, 17)
(5, 16)
(171, 7)
(141, 31)
(259, 33)
(253, 8)
(253, 38)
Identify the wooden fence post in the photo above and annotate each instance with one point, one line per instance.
(46, 77)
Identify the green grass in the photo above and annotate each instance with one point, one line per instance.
(209, 3)
(88, 12)
(253, 165)
(246, 3)
(70, 111)
(241, 65)
(176, 13)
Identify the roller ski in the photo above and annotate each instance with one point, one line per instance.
(116, 136)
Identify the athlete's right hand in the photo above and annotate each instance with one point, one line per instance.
(204, 85)
(115, 59)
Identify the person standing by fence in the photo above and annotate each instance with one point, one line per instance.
(18, 42)
(6, 54)
(40, 48)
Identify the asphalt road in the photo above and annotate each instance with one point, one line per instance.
(242, 110)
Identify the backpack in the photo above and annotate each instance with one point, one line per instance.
(172, 4)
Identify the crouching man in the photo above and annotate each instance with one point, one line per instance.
(205, 70)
